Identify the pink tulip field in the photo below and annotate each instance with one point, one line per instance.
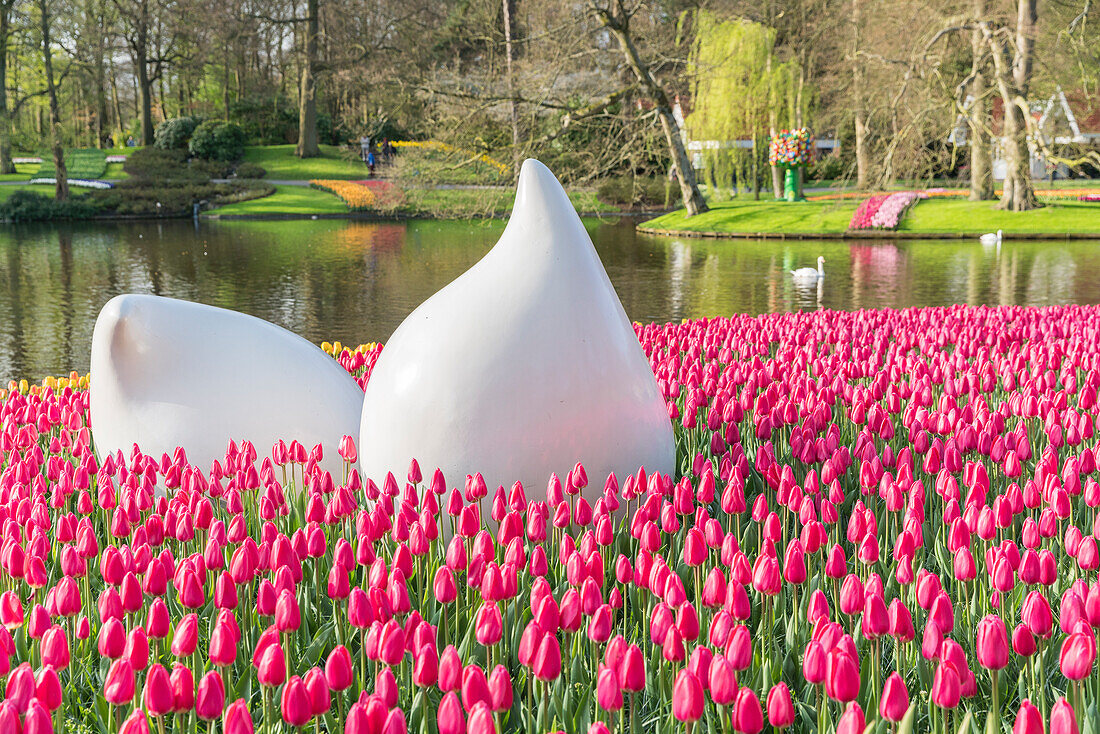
(880, 521)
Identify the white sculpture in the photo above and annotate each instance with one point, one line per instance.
(168, 373)
(521, 367)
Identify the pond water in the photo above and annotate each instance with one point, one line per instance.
(356, 281)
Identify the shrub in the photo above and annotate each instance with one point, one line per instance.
(634, 191)
(172, 198)
(175, 134)
(154, 164)
(31, 206)
(250, 170)
(217, 140)
(827, 167)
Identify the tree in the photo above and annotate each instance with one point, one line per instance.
(307, 89)
(981, 167)
(741, 91)
(615, 16)
(859, 111)
(6, 165)
(509, 21)
(141, 21)
(1012, 66)
(61, 187)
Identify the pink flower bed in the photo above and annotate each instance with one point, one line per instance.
(883, 211)
(879, 521)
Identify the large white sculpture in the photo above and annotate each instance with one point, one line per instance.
(521, 367)
(168, 373)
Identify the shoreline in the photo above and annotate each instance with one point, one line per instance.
(862, 235)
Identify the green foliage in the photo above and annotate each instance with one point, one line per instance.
(644, 191)
(250, 170)
(217, 140)
(740, 90)
(30, 206)
(79, 163)
(266, 120)
(175, 133)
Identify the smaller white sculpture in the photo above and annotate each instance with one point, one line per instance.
(168, 373)
(523, 366)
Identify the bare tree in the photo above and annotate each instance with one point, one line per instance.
(615, 16)
(139, 27)
(981, 167)
(1012, 66)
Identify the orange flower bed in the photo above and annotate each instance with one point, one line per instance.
(357, 196)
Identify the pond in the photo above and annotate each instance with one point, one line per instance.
(356, 281)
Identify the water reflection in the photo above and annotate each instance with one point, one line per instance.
(356, 281)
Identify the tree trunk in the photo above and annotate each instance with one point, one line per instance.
(120, 141)
(617, 23)
(1013, 83)
(307, 100)
(61, 188)
(509, 9)
(145, 84)
(6, 166)
(225, 85)
(863, 157)
(981, 173)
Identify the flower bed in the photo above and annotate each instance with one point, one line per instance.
(883, 211)
(357, 196)
(883, 515)
(77, 182)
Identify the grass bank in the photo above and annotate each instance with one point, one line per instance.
(282, 165)
(933, 216)
(428, 203)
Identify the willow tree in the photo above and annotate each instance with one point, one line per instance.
(741, 92)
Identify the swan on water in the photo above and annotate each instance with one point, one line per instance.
(810, 274)
(991, 238)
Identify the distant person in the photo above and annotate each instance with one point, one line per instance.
(129, 141)
(364, 148)
(110, 141)
(387, 150)
(370, 160)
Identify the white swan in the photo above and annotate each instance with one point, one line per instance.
(991, 238)
(809, 274)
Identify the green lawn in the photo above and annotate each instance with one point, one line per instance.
(932, 216)
(23, 172)
(289, 200)
(282, 165)
(46, 189)
(977, 217)
(746, 215)
(114, 172)
(87, 163)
